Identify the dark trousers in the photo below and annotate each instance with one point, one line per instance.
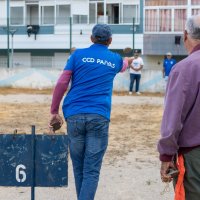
(192, 174)
(134, 78)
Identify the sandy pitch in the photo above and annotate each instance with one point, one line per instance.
(130, 169)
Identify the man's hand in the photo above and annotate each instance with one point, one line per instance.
(55, 123)
(165, 166)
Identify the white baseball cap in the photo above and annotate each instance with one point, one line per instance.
(169, 54)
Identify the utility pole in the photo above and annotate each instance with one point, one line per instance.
(133, 34)
(70, 34)
(8, 33)
(12, 32)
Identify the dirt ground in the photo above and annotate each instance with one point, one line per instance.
(131, 160)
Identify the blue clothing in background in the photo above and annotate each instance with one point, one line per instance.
(93, 70)
(168, 64)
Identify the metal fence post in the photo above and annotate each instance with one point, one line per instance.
(33, 163)
(70, 34)
(8, 33)
(133, 33)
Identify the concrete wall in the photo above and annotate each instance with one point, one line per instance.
(60, 60)
(159, 44)
(22, 60)
(62, 40)
(153, 62)
(151, 80)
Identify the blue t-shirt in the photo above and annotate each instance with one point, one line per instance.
(168, 64)
(93, 70)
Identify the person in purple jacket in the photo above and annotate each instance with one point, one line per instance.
(180, 127)
(87, 106)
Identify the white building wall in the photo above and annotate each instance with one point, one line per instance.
(62, 41)
(131, 2)
(3, 13)
(124, 1)
(63, 2)
(17, 3)
(47, 3)
(80, 7)
(120, 41)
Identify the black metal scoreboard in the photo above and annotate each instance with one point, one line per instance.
(33, 160)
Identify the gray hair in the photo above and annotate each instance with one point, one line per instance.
(192, 26)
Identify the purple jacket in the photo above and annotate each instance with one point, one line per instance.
(180, 128)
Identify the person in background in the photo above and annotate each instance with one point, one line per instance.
(135, 72)
(168, 63)
(71, 52)
(180, 128)
(73, 49)
(87, 106)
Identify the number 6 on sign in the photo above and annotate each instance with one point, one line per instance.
(20, 171)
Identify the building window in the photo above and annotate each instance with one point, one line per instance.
(100, 13)
(165, 20)
(116, 13)
(96, 14)
(151, 20)
(130, 12)
(47, 14)
(195, 2)
(32, 14)
(180, 16)
(92, 13)
(165, 2)
(80, 19)
(112, 13)
(195, 11)
(16, 16)
(63, 13)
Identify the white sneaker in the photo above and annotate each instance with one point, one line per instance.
(138, 93)
(130, 93)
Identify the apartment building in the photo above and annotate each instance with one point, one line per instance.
(41, 32)
(164, 23)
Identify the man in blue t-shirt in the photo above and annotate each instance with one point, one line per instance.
(168, 63)
(87, 106)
